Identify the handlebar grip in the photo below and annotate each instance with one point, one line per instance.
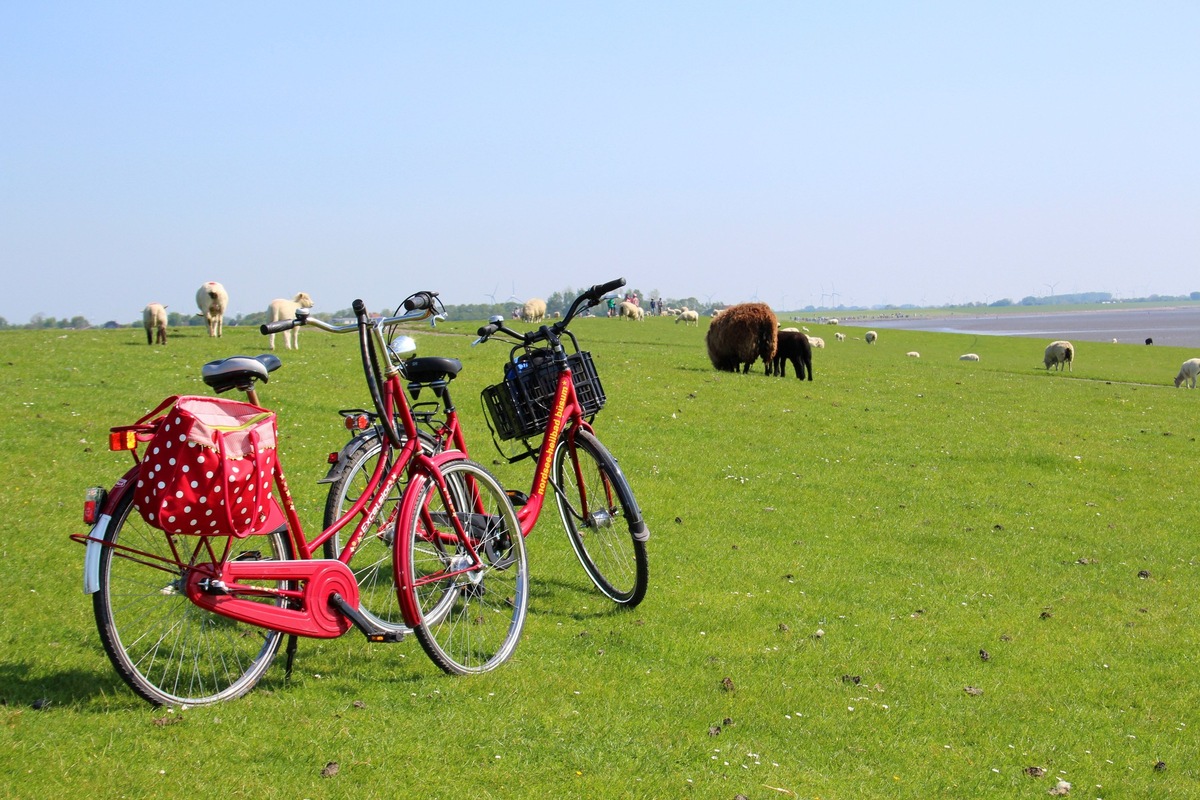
(420, 301)
(598, 291)
(360, 308)
(279, 326)
(487, 330)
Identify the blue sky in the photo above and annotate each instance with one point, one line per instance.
(795, 153)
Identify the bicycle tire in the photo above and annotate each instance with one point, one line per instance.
(611, 555)
(170, 651)
(468, 620)
(372, 563)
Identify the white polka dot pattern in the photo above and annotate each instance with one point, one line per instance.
(208, 469)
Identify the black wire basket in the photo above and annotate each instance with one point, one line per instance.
(520, 406)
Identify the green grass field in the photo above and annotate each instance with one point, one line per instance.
(910, 578)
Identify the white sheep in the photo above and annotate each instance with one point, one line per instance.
(286, 309)
(913, 354)
(1187, 373)
(688, 318)
(816, 341)
(870, 336)
(1059, 353)
(789, 330)
(841, 337)
(833, 321)
(630, 310)
(969, 357)
(154, 318)
(213, 300)
(534, 310)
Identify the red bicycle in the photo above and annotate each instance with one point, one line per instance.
(547, 401)
(188, 618)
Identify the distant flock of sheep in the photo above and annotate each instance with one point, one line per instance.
(742, 334)
(213, 300)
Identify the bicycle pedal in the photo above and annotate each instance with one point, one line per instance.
(388, 637)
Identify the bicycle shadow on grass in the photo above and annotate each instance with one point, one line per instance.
(571, 600)
(26, 687)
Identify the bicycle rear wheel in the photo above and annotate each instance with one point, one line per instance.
(372, 563)
(170, 651)
(468, 614)
(591, 492)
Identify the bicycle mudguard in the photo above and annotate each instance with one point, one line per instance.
(637, 525)
(348, 452)
(91, 556)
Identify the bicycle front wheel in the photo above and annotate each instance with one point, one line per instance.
(591, 492)
(170, 651)
(372, 562)
(466, 610)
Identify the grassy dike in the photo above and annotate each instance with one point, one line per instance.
(908, 578)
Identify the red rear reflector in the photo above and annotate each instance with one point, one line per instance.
(93, 501)
(331, 458)
(363, 422)
(122, 440)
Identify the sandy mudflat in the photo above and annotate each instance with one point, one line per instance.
(1178, 327)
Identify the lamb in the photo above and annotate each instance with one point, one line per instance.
(816, 341)
(841, 337)
(1059, 353)
(534, 310)
(741, 335)
(688, 318)
(913, 354)
(1187, 373)
(213, 300)
(630, 310)
(792, 346)
(870, 336)
(154, 318)
(969, 357)
(286, 309)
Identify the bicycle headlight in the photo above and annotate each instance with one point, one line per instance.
(403, 347)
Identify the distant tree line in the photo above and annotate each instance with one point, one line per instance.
(561, 301)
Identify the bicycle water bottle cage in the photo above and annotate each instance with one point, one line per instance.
(238, 372)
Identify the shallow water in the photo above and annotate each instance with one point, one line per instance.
(1178, 327)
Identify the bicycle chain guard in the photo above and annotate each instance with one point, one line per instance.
(220, 588)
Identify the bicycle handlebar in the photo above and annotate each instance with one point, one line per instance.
(587, 299)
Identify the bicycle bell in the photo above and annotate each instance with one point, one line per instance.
(403, 347)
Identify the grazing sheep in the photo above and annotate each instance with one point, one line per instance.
(154, 318)
(741, 335)
(1188, 373)
(688, 318)
(833, 321)
(534, 310)
(913, 354)
(286, 309)
(630, 310)
(1149, 341)
(841, 337)
(969, 357)
(870, 336)
(789, 330)
(213, 300)
(792, 346)
(1059, 353)
(1114, 340)
(816, 341)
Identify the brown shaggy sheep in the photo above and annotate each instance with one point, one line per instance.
(741, 335)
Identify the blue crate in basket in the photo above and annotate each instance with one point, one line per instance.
(520, 405)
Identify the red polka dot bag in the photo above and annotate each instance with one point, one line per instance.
(208, 469)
